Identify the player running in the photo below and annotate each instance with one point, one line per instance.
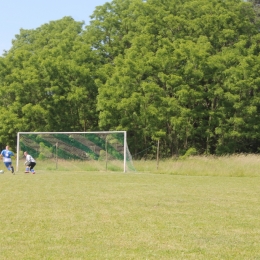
(7, 154)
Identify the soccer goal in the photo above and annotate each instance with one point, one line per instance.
(77, 150)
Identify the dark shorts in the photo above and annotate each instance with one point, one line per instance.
(31, 165)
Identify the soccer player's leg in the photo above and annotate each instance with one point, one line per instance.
(27, 168)
(7, 165)
(32, 164)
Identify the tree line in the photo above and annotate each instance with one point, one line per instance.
(182, 72)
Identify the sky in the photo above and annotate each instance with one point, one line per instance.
(31, 14)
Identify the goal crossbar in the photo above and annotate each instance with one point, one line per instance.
(125, 147)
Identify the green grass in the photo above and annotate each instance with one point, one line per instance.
(232, 166)
(77, 214)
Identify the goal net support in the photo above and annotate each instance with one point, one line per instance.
(86, 150)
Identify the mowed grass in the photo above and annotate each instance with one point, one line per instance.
(77, 214)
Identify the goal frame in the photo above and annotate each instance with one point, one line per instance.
(95, 132)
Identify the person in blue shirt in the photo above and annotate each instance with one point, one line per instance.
(7, 154)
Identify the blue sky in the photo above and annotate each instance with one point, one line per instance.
(31, 14)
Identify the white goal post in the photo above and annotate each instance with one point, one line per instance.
(108, 147)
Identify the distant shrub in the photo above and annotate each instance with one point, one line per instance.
(190, 152)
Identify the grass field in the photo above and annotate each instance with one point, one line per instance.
(198, 208)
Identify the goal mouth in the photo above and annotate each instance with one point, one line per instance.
(109, 149)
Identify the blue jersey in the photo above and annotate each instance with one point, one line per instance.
(7, 155)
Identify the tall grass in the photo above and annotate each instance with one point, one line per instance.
(79, 214)
(234, 165)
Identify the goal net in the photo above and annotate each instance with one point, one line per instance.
(92, 151)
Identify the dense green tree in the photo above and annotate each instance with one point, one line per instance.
(47, 81)
(180, 74)
(183, 72)
(256, 6)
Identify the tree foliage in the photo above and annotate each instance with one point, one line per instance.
(182, 72)
(48, 81)
(185, 73)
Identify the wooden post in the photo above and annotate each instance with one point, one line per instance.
(56, 155)
(106, 153)
(158, 146)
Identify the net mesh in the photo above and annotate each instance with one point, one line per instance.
(83, 147)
